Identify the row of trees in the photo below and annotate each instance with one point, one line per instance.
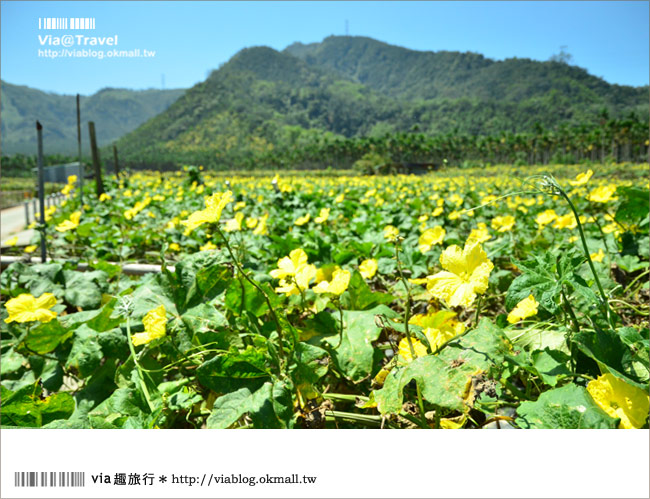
(616, 140)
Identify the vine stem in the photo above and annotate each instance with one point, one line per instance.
(278, 328)
(137, 364)
(588, 255)
(407, 317)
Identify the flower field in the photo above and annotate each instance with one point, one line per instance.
(495, 297)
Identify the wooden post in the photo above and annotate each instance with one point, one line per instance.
(116, 163)
(81, 166)
(95, 154)
(41, 188)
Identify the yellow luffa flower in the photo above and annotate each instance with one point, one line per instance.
(26, 308)
(105, 197)
(620, 400)
(480, 234)
(546, 217)
(404, 350)
(234, 224)
(31, 248)
(251, 222)
(70, 224)
(12, 242)
(208, 246)
(338, 284)
(437, 212)
(155, 322)
(466, 275)
(503, 224)
(339, 198)
(368, 268)
(603, 194)
(298, 281)
(214, 206)
(391, 233)
(524, 309)
(261, 228)
(439, 327)
(598, 257)
(302, 220)
(322, 216)
(175, 247)
(430, 237)
(289, 265)
(582, 178)
(567, 221)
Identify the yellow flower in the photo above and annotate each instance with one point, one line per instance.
(524, 309)
(339, 198)
(546, 217)
(582, 178)
(302, 220)
(289, 265)
(322, 216)
(70, 224)
(503, 224)
(438, 327)
(368, 268)
(31, 248)
(466, 275)
(602, 194)
(423, 218)
(234, 224)
(338, 284)
(598, 257)
(454, 215)
(154, 326)
(620, 400)
(239, 205)
(208, 246)
(67, 189)
(480, 234)
(251, 222)
(404, 350)
(72, 179)
(12, 242)
(299, 280)
(567, 221)
(26, 308)
(214, 206)
(174, 247)
(437, 212)
(104, 197)
(430, 237)
(391, 233)
(261, 228)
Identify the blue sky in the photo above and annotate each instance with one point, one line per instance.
(609, 39)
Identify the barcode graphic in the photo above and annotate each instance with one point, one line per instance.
(66, 23)
(49, 479)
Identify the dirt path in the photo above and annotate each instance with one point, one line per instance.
(12, 220)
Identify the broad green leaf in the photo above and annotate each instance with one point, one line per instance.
(569, 407)
(607, 348)
(360, 297)
(21, 408)
(634, 206)
(355, 355)
(538, 277)
(84, 289)
(231, 371)
(56, 406)
(550, 364)
(114, 411)
(11, 362)
(86, 353)
(46, 337)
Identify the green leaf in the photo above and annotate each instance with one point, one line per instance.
(57, 406)
(634, 207)
(208, 283)
(46, 337)
(86, 353)
(550, 365)
(446, 379)
(21, 408)
(99, 320)
(569, 407)
(232, 371)
(355, 355)
(11, 362)
(84, 289)
(359, 296)
(607, 348)
(538, 277)
(116, 409)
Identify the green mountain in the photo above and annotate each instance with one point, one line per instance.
(292, 107)
(416, 75)
(114, 111)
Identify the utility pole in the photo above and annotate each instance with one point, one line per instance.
(95, 154)
(41, 188)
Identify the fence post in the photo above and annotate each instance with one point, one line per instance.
(116, 163)
(26, 212)
(41, 188)
(81, 166)
(95, 154)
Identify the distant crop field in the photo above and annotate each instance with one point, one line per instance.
(466, 298)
